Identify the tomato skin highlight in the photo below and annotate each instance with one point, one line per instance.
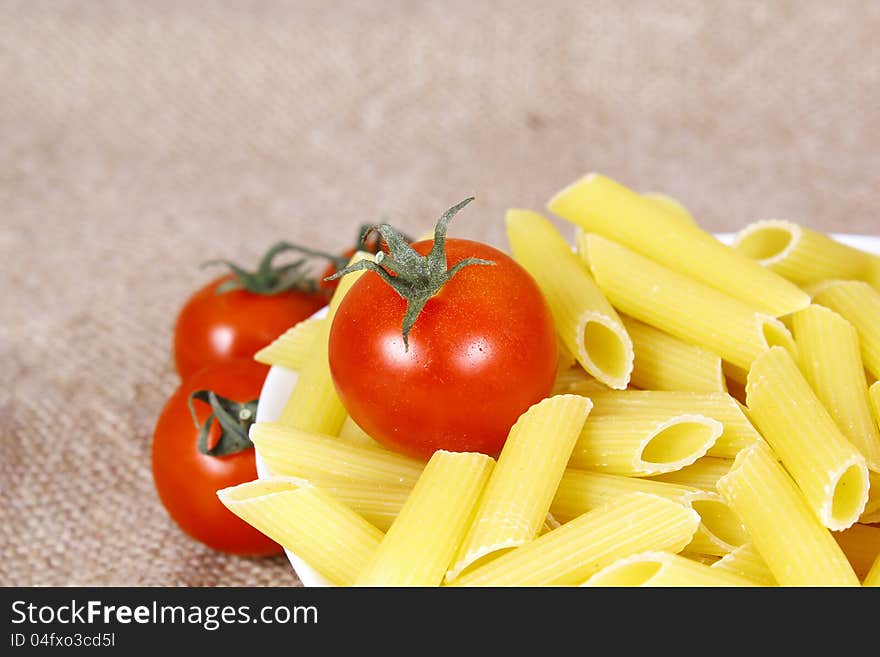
(212, 327)
(187, 481)
(482, 351)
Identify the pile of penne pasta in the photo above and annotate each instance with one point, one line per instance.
(714, 423)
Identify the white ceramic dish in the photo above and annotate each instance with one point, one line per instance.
(280, 381)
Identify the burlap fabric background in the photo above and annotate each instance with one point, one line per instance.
(140, 138)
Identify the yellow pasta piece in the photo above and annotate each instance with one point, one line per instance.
(828, 347)
(576, 550)
(580, 491)
(327, 535)
(521, 488)
(798, 549)
(801, 254)
(351, 432)
(861, 545)
(673, 208)
(738, 431)
(663, 362)
(291, 348)
(422, 541)
(663, 569)
(638, 443)
(747, 562)
(313, 404)
(679, 305)
(586, 323)
(600, 205)
(379, 504)
(703, 474)
(859, 303)
(826, 466)
(873, 577)
(295, 453)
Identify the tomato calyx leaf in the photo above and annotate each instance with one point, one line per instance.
(415, 277)
(269, 278)
(235, 420)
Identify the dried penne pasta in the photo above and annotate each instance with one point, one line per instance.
(636, 442)
(663, 569)
(314, 405)
(420, 544)
(327, 535)
(801, 254)
(600, 205)
(291, 348)
(587, 324)
(679, 305)
(826, 466)
(747, 562)
(720, 531)
(292, 452)
(828, 347)
(788, 535)
(378, 504)
(663, 362)
(738, 430)
(861, 545)
(576, 550)
(521, 488)
(873, 577)
(704, 473)
(859, 303)
(580, 491)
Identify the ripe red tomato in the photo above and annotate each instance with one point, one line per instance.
(480, 353)
(214, 327)
(188, 480)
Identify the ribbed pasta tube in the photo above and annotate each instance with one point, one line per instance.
(586, 323)
(329, 536)
(680, 305)
(521, 488)
(861, 544)
(788, 535)
(801, 254)
(600, 205)
(295, 453)
(828, 348)
(577, 549)
(738, 431)
(873, 577)
(580, 491)
(859, 303)
(663, 362)
(663, 569)
(421, 542)
(826, 466)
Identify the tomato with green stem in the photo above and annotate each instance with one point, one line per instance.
(201, 444)
(441, 344)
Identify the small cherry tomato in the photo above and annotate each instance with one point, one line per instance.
(191, 463)
(441, 345)
(238, 314)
